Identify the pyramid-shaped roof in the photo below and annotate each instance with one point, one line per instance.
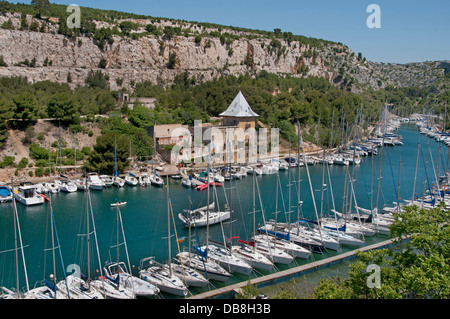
(239, 108)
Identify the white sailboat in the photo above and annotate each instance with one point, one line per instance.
(159, 274)
(116, 272)
(187, 181)
(156, 180)
(206, 266)
(162, 276)
(201, 263)
(131, 180)
(223, 255)
(6, 293)
(201, 216)
(190, 276)
(48, 289)
(80, 286)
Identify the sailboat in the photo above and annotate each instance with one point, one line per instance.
(271, 252)
(117, 273)
(159, 274)
(81, 286)
(284, 230)
(289, 247)
(187, 181)
(155, 180)
(131, 179)
(201, 263)
(49, 290)
(248, 252)
(200, 215)
(221, 253)
(6, 293)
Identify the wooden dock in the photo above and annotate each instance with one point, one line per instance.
(290, 273)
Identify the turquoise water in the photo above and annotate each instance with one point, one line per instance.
(145, 214)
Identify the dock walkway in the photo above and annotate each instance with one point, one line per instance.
(290, 273)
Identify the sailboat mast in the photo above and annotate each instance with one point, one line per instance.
(88, 237)
(298, 177)
(15, 240)
(53, 243)
(117, 249)
(310, 185)
(168, 225)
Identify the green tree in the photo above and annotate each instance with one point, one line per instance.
(25, 106)
(102, 157)
(41, 5)
(62, 106)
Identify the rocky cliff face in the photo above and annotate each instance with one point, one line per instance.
(130, 61)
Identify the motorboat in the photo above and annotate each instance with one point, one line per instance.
(81, 184)
(5, 194)
(65, 185)
(144, 179)
(108, 180)
(53, 188)
(28, 195)
(199, 217)
(254, 170)
(41, 189)
(94, 182)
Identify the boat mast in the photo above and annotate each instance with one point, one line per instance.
(18, 237)
(310, 185)
(168, 225)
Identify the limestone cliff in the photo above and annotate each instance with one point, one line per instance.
(146, 58)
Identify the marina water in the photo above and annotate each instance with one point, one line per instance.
(145, 214)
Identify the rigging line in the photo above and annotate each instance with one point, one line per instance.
(392, 173)
(60, 254)
(177, 241)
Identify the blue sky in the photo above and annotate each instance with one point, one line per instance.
(411, 31)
